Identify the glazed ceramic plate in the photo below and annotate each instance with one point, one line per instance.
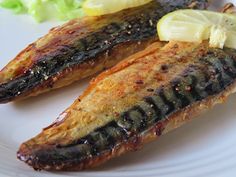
(204, 147)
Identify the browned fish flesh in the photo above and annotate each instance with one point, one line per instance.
(135, 102)
(83, 47)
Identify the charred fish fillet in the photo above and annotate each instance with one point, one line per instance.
(84, 47)
(140, 99)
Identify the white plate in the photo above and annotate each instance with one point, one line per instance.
(204, 147)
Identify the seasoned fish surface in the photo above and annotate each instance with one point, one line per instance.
(143, 97)
(84, 47)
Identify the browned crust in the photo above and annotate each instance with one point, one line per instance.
(173, 122)
(42, 140)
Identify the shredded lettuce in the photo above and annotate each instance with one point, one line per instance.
(43, 10)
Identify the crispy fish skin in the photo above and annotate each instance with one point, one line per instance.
(84, 47)
(140, 99)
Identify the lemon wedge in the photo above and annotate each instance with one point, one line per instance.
(101, 7)
(199, 25)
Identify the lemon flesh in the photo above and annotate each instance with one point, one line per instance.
(199, 25)
(101, 7)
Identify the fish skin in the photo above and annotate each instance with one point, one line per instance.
(83, 47)
(150, 94)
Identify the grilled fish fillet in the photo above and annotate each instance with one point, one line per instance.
(84, 47)
(138, 100)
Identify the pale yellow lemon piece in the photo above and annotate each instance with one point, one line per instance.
(199, 25)
(101, 7)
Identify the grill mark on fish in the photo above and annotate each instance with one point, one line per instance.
(134, 28)
(170, 106)
(150, 101)
(179, 94)
(194, 91)
(143, 115)
(111, 138)
(126, 122)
